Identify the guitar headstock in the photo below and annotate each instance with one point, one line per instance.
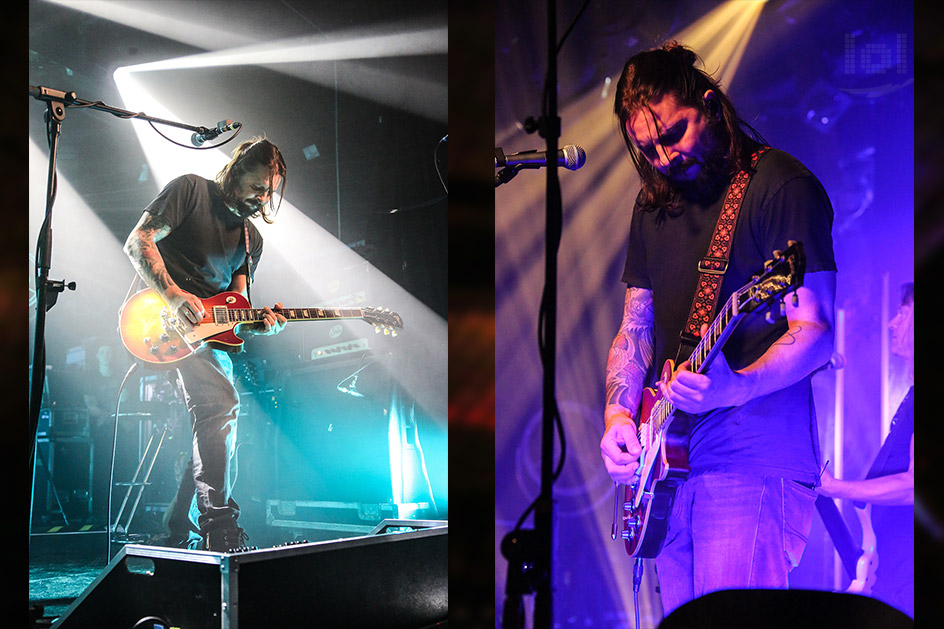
(383, 319)
(782, 273)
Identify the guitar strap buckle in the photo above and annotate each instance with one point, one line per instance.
(713, 266)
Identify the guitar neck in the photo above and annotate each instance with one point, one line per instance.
(252, 315)
(715, 336)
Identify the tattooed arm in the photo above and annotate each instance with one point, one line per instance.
(805, 346)
(627, 363)
(141, 248)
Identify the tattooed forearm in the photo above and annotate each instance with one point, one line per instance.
(790, 336)
(141, 248)
(631, 352)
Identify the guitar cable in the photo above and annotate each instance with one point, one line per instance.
(114, 448)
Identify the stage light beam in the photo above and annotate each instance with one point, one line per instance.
(598, 201)
(297, 242)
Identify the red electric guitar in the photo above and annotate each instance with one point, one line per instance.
(152, 333)
(663, 464)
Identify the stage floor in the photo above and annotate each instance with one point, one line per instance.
(61, 566)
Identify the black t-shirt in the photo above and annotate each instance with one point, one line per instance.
(774, 434)
(206, 246)
(894, 524)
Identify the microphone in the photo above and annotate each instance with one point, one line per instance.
(208, 134)
(350, 391)
(353, 388)
(571, 157)
(48, 94)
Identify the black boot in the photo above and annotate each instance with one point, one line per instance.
(226, 539)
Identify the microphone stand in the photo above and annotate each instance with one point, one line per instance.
(47, 291)
(529, 553)
(544, 509)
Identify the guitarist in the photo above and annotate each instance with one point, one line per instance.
(742, 517)
(194, 241)
(889, 484)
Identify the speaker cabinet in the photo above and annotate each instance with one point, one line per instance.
(396, 580)
(331, 445)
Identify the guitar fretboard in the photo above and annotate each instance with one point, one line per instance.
(223, 315)
(719, 329)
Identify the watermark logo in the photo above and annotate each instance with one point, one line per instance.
(887, 55)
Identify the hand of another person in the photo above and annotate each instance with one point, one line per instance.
(828, 484)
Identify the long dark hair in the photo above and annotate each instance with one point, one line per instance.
(907, 293)
(247, 156)
(651, 74)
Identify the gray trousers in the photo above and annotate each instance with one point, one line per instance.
(206, 379)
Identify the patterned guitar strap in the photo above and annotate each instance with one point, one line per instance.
(714, 265)
(248, 262)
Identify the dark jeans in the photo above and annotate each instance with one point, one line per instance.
(206, 379)
(731, 531)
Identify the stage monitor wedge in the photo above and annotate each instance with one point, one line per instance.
(393, 580)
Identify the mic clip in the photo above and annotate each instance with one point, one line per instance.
(204, 134)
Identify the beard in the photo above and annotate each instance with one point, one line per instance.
(239, 206)
(245, 210)
(712, 173)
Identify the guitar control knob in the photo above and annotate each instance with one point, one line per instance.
(165, 337)
(628, 534)
(172, 349)
(155, 350)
